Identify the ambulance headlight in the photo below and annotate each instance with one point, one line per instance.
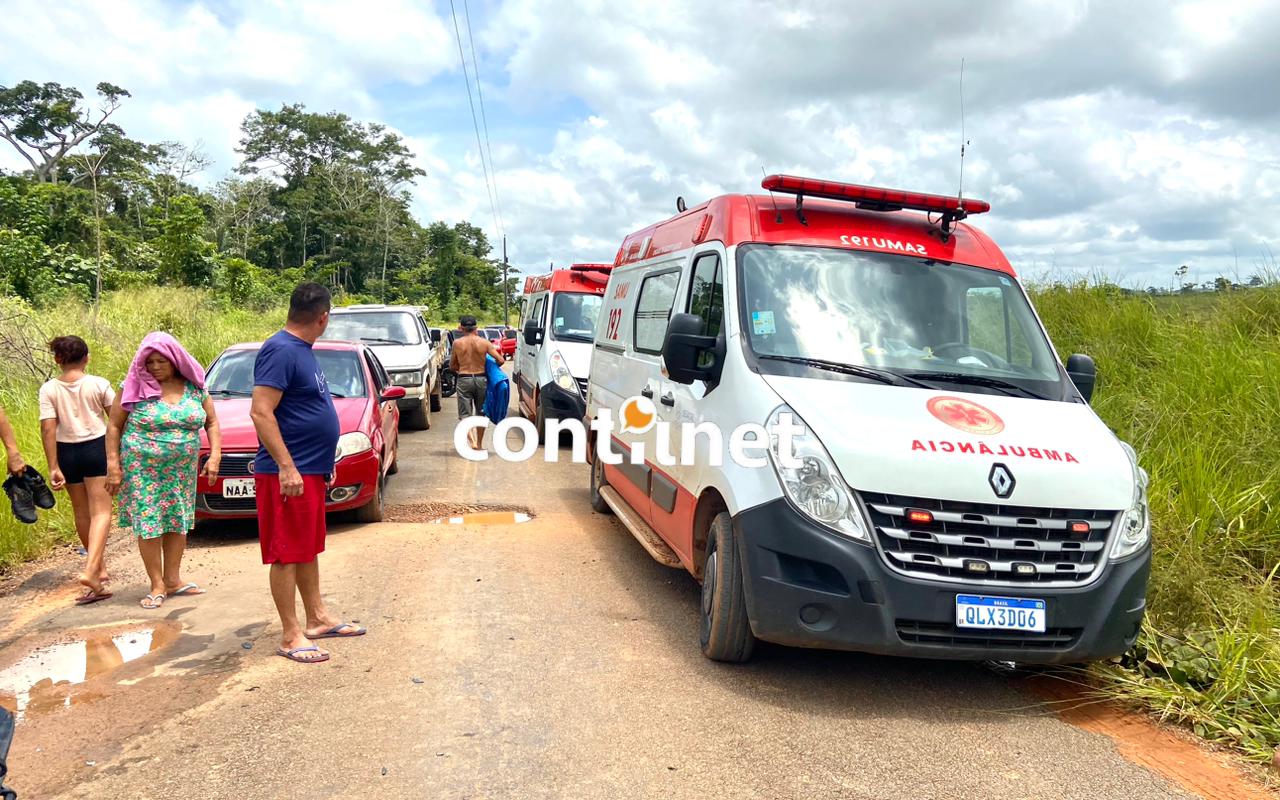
(1135, 525)
(560, 373)
(351, 444)
(809, 477)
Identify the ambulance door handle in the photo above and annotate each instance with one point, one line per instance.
(668, 399)
(647, 391)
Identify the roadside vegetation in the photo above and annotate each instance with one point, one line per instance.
(1191, 382)
(315, 196)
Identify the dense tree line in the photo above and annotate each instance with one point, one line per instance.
(316, 196)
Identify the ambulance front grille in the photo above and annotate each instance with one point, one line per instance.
(986, 543)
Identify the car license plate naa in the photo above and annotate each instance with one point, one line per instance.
(999, 613)
(238, 487)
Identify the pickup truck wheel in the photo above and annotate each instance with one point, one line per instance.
(598, 481)
(372, 510)
(435, 403)
(726, 632)
(418, 418)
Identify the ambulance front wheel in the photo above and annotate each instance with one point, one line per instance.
(597, 481)
(726, 632)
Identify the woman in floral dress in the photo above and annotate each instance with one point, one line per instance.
(153, 449)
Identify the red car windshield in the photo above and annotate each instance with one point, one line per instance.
(232, 374)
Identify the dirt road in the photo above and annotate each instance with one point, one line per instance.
(551, 658)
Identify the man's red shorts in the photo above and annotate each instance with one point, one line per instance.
(290, 529)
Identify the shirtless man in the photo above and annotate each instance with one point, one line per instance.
(467, 362)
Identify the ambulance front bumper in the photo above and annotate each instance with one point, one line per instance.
(809, 587)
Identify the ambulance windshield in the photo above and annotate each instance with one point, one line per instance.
(951, 325)
(573, 316)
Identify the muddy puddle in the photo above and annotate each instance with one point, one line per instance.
(61, 675)
(485, 518)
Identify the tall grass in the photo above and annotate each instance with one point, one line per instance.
(204, 325)
(1194, 384)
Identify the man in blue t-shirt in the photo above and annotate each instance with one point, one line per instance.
(298, 430)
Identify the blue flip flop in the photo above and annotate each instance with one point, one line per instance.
(292, 655)
(336, 632)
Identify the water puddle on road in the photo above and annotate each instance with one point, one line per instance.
(485, 518)
(49, 677)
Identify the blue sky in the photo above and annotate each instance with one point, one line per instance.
(1118, 139)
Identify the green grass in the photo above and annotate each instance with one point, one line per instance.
(1194, 384)
(204, 326)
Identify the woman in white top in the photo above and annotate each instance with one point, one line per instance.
(73, 409)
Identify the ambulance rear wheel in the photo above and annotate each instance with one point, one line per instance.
(726, 632)
(597, 482)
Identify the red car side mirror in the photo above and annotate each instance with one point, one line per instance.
(393, 393)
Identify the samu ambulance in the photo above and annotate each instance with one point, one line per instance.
(946, 490)
(554, 350)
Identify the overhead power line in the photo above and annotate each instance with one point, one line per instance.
(475, 122)
(484, 119)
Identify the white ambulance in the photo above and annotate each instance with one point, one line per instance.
(943, 489)
(553, 353)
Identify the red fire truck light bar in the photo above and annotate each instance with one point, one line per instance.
(591, 267)
(874, 196)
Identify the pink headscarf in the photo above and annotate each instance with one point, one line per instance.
(140, 385)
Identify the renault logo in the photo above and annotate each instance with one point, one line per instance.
(1001, 480)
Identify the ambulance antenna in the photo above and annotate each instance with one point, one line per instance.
(964, 143)
(777, 215)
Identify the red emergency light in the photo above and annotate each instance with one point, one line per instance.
(875, 197)
(919, 517)
(592, 273)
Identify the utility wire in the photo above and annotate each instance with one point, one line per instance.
(484, 166)
(484, 119)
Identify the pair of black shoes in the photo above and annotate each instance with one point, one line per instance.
(28, 491)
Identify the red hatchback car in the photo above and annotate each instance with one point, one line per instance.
(368, 419)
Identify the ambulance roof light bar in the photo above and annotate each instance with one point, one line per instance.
(875, 198)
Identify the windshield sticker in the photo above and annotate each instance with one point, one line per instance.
(982, 449)
(559, 322)
(762, 323)
(1005, 281)
(965, 415)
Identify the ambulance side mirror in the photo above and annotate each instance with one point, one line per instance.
(1084, 374)
(532, 333)
(435, 336)
(683, 348)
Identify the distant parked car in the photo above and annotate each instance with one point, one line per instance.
(504, 338)
(367, 414)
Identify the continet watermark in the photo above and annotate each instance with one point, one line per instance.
(748, 444)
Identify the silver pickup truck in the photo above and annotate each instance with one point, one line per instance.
(399, 337)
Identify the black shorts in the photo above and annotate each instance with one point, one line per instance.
(80, 460)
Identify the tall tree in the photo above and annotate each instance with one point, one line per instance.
(45, 122)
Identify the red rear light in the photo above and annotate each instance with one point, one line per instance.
(919, 517)
(873, 196)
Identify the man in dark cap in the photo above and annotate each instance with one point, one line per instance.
(467, 362)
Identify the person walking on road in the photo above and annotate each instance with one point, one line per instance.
(467, 361)
(73, 410)
(153, 456)
(297, 424)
